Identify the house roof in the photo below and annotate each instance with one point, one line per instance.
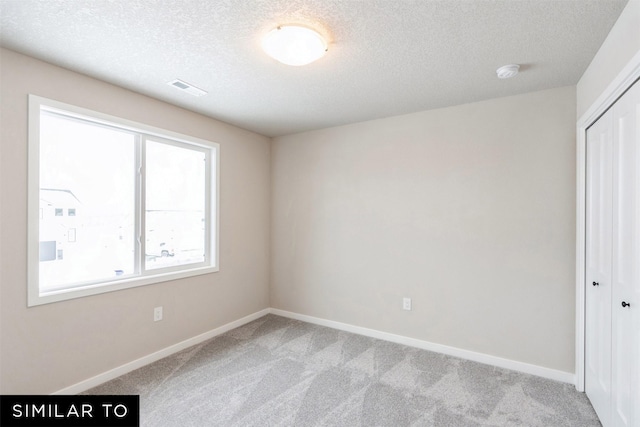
(58, 197)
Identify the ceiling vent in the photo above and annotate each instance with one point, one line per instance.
(186, 87)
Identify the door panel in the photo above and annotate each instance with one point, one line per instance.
(626, 259)
(598, 267)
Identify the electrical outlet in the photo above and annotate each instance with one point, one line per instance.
(406, 303)
(157, 314)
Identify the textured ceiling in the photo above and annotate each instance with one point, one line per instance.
(386, 57)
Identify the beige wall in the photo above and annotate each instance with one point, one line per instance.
(468, 210)
(622, 43)
(49, 347)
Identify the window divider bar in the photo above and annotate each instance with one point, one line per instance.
(140, 205)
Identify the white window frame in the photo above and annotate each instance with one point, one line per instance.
(212, 203)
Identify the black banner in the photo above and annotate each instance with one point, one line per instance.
(69, 411)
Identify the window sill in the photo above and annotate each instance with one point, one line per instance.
(37, 298)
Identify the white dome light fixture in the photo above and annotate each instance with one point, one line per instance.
(507, 71)
(294, 45)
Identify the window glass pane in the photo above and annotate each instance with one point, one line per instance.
(87, 171)
(175, 205)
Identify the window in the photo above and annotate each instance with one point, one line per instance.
(141, 203)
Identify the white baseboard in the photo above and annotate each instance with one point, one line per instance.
(138, 363)
(513, 365)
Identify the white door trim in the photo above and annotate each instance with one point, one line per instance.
(629, 74)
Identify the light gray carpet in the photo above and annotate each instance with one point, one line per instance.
(276, 371)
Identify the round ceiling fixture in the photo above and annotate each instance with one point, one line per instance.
(507, 71)
(294, 45)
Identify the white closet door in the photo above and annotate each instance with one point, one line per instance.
(598, 266)
(625, 378)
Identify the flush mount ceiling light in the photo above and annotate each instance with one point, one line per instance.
(294, 45)
(507, 71)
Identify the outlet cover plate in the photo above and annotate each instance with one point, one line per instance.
(157, 314)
